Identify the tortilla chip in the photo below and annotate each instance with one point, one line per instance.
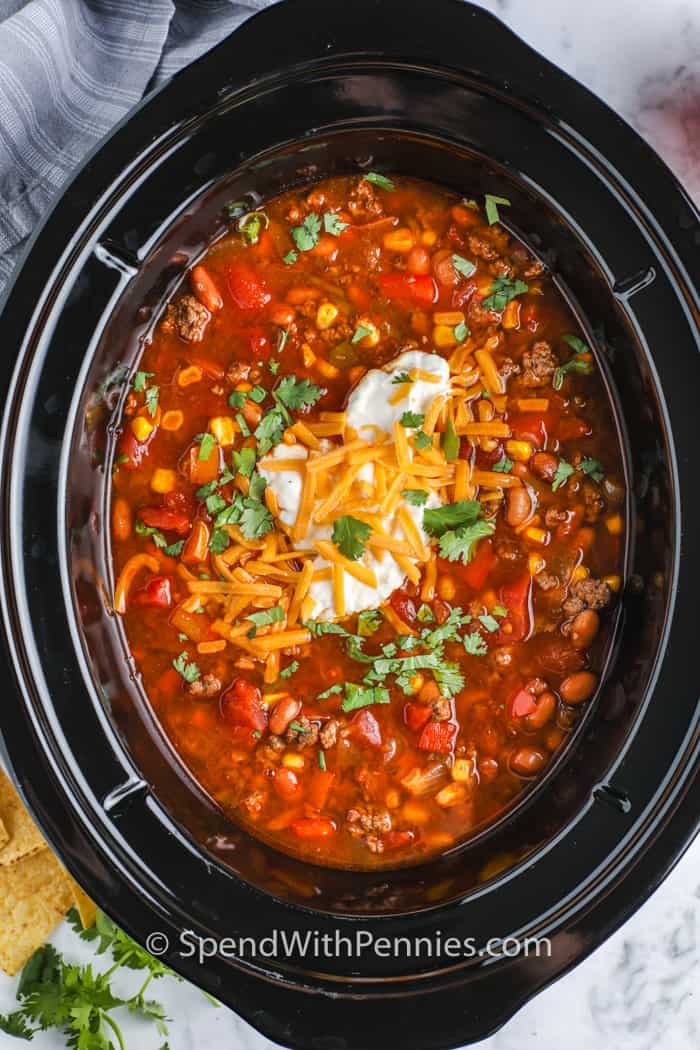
(24, 837)
(34, 897)
(4, 834)
(87, 910)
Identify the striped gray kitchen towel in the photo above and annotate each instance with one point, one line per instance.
(69, 70)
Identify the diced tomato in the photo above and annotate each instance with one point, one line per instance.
(520, 704)
(366, 729)
(260, 345)
(516, 597)
(310, 828)
(131, 453)
(416, 715)
(286, 784)
(403, 606)
(534, 427)
(155, 594)
(179, 501)
(248, 289)
(571, 428)
(167, 520)
(320, 785)
(476, 572)
(438, 736)
(409, 288)
(241, 707)
(398, 839)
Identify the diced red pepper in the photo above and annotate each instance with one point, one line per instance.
(366, 729)
(311, 828)
(409, 288)
(320, 785)
(416, 715)
(398, 839)
(241, 707)
(438, 736)
(155, 594)
(167, 520)
(476, 572)
(520, 704)
(248, 289)
(515, 596)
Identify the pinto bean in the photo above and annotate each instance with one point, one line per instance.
(584, 628)
(544, 465)
(546, 706)
(578, 687)
(518, 506)
(284, 712)
(205, 289)
(527, 761)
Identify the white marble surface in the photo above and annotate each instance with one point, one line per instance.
(639, 990)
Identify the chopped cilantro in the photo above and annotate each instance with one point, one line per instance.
(464, 267)
(425, 614)
(360, 332)
(400, 378)
(563, 472)
(250, 224)
(244, 461)
(461, 332)
(368, 622)
(274, 367)
(501, 292)
(459, 545)
(350, 536)
(499, 610)
(416, 497)
(290, 258)
(333, 224)
(243, 426)
(297, 393)
(421, 440)
(256, 520)
(140, 379)
(266, 616)
(592, 467)
(379, 180)
(449, 442)
(174, 550)
(334, 690)
(412, 419)
(158, 538)
(215, 503)
(206, 444)
(236, 399)
(152, 400)
(269, 430)
(357, 696)
(289, 670)
(581, 365)
(305, 237)
(219, 541)
(492, 207)
(451, 516)
(188, 670)
(257, 394)
(504, 465)
(474, 644)
(576, 344)
(489, 622)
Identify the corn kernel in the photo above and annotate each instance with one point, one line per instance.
(520, 451)
(537, 535)
(448, 317)
(444, 337)
(223, 428)
(613, 582)
(536, 564)
(307, 354)
(163, 480)
(462, 771)
(417, 683)
(327, 370)
(293, 760)
(451, 795)
(429, 238)
(243, 387)
(580, 573)
(615, 525)
(172, 420)
(446, 587)
(187, 376)
(326, 316)
(141, 428)
(400, 240)
(511, 315)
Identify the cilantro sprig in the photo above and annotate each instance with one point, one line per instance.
(502, 290)
(458, 528)
(350, 536)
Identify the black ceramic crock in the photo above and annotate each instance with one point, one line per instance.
(444, 91)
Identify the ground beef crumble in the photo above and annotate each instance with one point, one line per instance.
(539, 364)
(369, 823)
(205, 687)
(587, 594)
(187, 318)
(302, 732)
(363, 203)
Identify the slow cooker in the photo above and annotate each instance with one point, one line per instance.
(305, 89)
